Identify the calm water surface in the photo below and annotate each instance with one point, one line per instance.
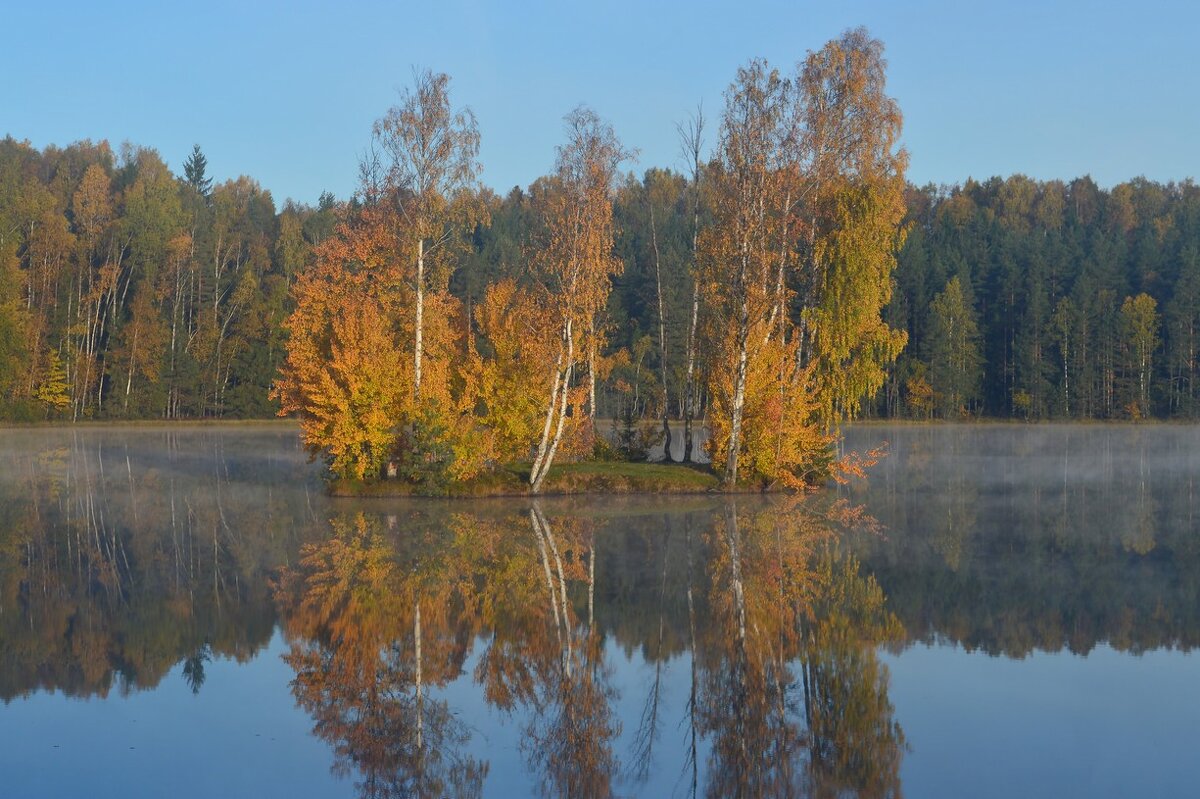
(1000, 611)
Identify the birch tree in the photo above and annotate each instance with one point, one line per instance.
(1139, 327)
(853, 186)
(430, 182)
(691, 140)
(737, 252)
(577, 264)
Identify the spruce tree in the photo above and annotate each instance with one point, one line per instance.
(194, 172)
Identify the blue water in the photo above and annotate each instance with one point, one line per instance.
(1036, 608)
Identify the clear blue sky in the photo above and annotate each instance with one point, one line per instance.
(287, 92)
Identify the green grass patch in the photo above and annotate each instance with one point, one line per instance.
(589, 477)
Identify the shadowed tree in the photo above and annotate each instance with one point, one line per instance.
(195, 172)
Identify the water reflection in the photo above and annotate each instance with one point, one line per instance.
(117, 563)
(1011, 539)
(370, 630)
(786, 695)
(699, 647)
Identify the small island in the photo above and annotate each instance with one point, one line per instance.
(784, 242)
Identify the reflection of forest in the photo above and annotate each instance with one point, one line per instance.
(785, 694)
(122, 561)
(119, 561)
(1009, 539)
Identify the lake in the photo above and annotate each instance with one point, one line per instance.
(1000, 610)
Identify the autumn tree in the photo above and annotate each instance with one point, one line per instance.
(738, 251)
(14, 355)
(807, 203)
(1139, 326)
(52, 384)
(517, 332)
(853, 187)
(576, 264)
(342, 374)
(387, 265)
(691, 142)
(429, 189)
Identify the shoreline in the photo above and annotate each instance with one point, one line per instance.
(611, 478)
(986, 421)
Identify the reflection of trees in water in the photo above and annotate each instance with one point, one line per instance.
(363, 652)
(794, 699)
(855, 742)
(116, 565)
(1063, 537)
(1139, 534)
(116, 568)
(568, 739)
(786, 693)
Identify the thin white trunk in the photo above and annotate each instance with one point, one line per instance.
(544, 442)
(592, 371)
(689, 389)
(420, 318)
(662, 339)
(562, 415)
(557, 408)
(739, 385)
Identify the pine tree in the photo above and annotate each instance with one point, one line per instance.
(194, 172)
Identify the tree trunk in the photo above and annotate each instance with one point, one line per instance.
(662, 340)
(689, 389)
(420, 684)
(557, 406)
(739, 385)
(592, 371)
(420, 318)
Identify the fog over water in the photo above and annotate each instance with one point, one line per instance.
(999, 610)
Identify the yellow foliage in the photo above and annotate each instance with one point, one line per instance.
(780, 438)
(53, 389)
(920, 397)
(855, 257)
(349, 391)
(349, 370)
(518, 328)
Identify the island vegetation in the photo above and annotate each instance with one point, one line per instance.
(738, 311)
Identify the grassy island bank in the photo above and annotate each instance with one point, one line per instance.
(589, 477)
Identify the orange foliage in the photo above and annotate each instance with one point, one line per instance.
(518, 328)
(347, 374)
(780, 439)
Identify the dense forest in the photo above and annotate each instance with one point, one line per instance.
(129, 291)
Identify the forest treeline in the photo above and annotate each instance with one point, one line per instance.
(1044, 271)
(129, 291)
